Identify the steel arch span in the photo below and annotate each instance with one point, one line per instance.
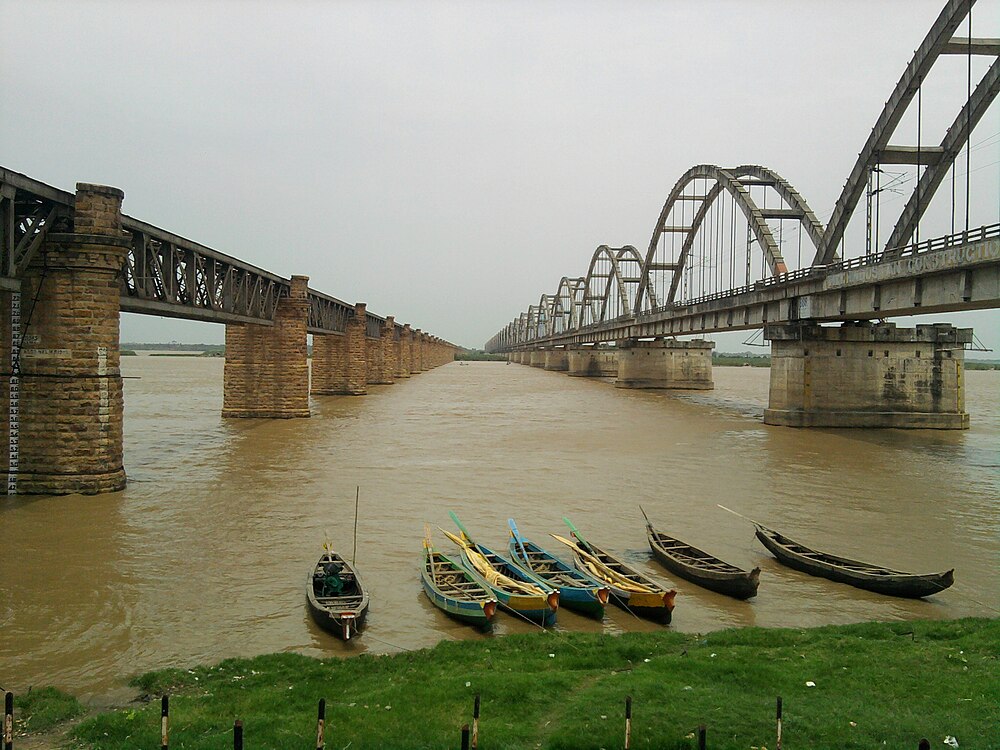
(936, 160)
(611, 284)
(715, 182)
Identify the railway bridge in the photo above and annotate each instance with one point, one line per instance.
(71, 262)
(739, 248)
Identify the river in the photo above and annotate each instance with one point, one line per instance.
(205, 554)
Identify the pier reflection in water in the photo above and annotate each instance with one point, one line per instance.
(205, 554)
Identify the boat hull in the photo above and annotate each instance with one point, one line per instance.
(344, 616)
(877, 579)
(536, 608)
(739, 584)
(585, 597)
(476, 607)
(656, 605)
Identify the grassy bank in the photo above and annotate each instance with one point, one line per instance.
(874, 685)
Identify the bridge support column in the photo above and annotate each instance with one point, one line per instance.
(556, 359)
(581, 362)
(387, 373)
(63, 388)
(867, 375)
(537, 358)
(403, 350)
(416, 352)
(665, 364)
(266, 373)
(340, 363)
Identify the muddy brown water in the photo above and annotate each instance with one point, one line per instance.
(204, 556)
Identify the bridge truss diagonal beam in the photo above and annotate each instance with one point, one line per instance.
(939, 40)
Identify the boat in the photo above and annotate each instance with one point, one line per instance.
(631, 590)
(517, 590)
(860, 574)
(452, 589)
(700, 567)
(337, 598)
(578, 591)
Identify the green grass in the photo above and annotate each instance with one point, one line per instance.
(43, 708)
(875, 683)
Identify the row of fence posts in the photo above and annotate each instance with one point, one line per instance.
(470, 735)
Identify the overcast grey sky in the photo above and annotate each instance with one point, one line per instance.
(448, 162)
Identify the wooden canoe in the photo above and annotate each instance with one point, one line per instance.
(854, 572)
(342, 613)
(517, 590)
(700, 567)
(577, 590)
(633, 591)
(454, 591)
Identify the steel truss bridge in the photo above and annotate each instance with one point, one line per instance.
(715, 260)
(164, 274)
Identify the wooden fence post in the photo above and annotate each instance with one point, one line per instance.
(465, 737)
(701, 737)
(8, 721)
(164, 723)
(475, 723)
(628, 722)
(238, 735)
(778, 745)
(321, 724)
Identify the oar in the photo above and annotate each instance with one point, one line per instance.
(648, 523)
(460, 526)
(730, 510)
(610, 575)
(578, 535)
(520, 542)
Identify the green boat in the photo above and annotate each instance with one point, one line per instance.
(451, 589)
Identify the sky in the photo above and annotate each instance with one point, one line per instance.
(449, 162)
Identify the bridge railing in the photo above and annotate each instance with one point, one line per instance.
(936, 244)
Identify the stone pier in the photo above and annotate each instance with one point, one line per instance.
(340, 361)
(62, 386)
(867, 375)
(387, 356)
(403, 352)
(556, 359)
(665, 364)
(416, 352)
(266, 372)
(537, 358)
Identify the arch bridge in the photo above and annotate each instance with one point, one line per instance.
(738, 248)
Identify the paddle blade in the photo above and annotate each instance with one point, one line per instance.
(460, 526)
(513, 529)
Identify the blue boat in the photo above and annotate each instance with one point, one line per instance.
(518, 591)
(577, 590)
(453, 590)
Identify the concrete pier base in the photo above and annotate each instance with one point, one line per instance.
(537, 358)
(867, 375)
(666, 364)
(591, 362)
(556, 359)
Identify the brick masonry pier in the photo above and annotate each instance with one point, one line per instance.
(80, 262)
(267, 370)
